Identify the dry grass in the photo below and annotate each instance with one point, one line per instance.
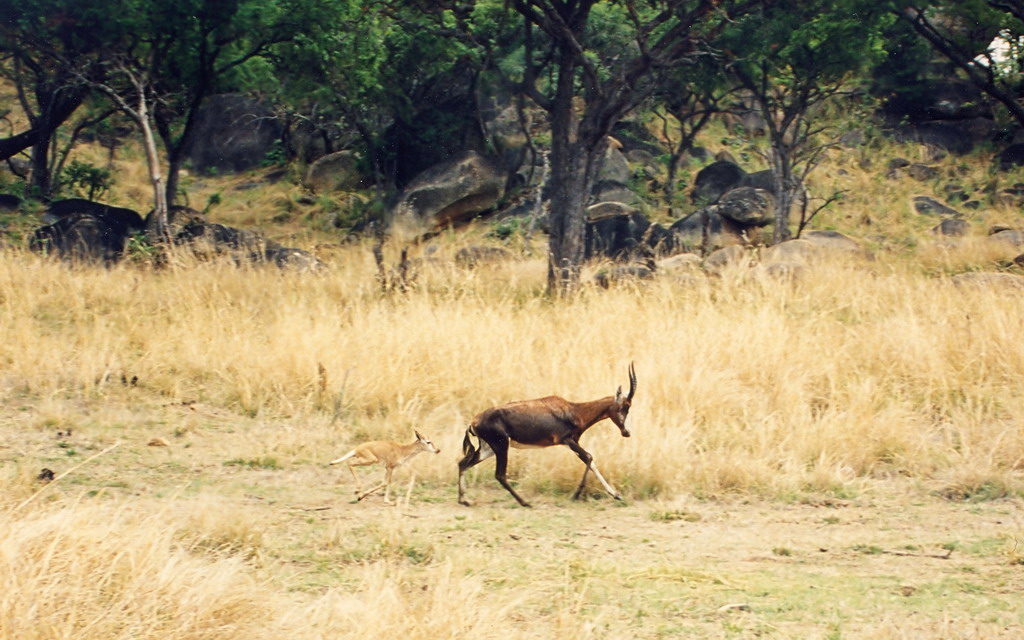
(805, 450)
(748, 384)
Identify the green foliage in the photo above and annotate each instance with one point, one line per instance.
(817, 41)
(139, 251)
(85, 180)
(212, 201)
(275, 157)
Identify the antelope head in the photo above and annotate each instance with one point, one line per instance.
(425, 444)
(620, 405)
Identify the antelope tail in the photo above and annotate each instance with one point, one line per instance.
(471, 443)
(344, 457)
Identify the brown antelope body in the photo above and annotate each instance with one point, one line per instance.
(544, 422)
(391, 454)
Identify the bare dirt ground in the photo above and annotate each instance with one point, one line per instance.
(889, 561)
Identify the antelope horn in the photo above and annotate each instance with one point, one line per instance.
(632, 381)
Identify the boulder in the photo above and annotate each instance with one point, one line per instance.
(609, 209)
(688, 233)
(616, 236)
(86, 231)
(929, 206)
(989, 279)
(1012, 196)
(784, 271)
(1013, 237)
(715, 180)
(293, 259)
(475, 255)
(681, 262)
(233, 133)
(208, 239)
(721, 259)
(922, 172)
(1010, 157)
(337, 171)
(951, 227)
(120, 219)
(612, 176)
(178, 218)
(660, 240)
(796, 251)
(500, 119)
(833, 242)
(450, 193)
(955, 136)
(81, 237)
(9, 202)
(605, 278)
(748, 206)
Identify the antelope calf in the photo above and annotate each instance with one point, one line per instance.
(544, 422)
(390, 454)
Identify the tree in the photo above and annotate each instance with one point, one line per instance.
(195, 48)
(791, 58)
(962, 31)
(378, 64)
(48, 45)
(685, 105)
(586, 88)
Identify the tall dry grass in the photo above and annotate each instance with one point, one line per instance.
(106, 572)
(857, 371)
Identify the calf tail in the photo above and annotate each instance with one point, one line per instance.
(344, 457)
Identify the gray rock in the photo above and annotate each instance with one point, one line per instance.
(452, 192)
(929, 206)
(233, 133)
(748, 206)
(951, 227)
(334, 172)
(989, 279)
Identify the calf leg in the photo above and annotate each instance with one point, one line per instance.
(358, 462)
(386, 485)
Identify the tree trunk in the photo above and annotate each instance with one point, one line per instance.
(568, 196)
(570, 182)
(41, 181)
(155, 177)
(782, 182)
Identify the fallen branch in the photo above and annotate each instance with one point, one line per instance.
(949, 552)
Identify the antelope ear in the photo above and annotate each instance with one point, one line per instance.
(618, 395)
(418, 436)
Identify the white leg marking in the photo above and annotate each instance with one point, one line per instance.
(607, 487)
(485, 451)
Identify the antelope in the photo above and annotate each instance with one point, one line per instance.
(544, 422)
(391, 454)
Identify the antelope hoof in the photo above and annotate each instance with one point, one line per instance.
(465, 503)
(617, 497)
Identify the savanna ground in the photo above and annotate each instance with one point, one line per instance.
(835, 457)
